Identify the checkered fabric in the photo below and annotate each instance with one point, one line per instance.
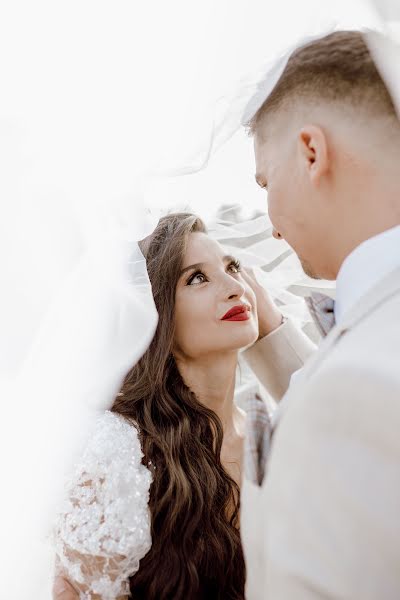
(321, 308)
(258, 439)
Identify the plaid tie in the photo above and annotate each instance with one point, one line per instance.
(258, 438)
(321, 308)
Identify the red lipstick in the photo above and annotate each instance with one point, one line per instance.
(237, 313)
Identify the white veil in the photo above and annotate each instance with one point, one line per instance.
(89, 91)
(76, 308)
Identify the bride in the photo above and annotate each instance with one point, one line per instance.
(152, 510)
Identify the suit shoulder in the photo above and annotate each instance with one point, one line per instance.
(371, 348)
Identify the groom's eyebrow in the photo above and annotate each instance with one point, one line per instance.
(227, 258)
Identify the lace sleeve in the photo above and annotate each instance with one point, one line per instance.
(103, 529)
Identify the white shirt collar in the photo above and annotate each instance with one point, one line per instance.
(370, 262)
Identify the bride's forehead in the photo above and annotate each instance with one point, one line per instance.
(201, 247)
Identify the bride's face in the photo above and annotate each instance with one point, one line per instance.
(215, 308)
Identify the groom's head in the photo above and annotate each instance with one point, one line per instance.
(327, 144)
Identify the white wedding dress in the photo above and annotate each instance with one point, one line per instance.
(103, 527)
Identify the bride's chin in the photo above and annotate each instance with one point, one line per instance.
(253, 337)
(244, 339)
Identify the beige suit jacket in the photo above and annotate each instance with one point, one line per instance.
(326, 521)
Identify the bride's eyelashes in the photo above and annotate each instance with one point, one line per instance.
(194, 275)
(236, 264)
(234, 267)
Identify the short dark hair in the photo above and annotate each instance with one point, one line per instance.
(335, 68)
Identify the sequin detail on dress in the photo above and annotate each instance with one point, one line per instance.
(103, 528)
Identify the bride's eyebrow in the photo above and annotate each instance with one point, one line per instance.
(192, 267)
(227, 258)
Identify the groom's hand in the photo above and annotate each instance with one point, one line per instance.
(269, 316)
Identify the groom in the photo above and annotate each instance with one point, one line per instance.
(325, 521)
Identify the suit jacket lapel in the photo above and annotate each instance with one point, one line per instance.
(380, 293)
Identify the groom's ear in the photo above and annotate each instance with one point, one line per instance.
(313, 149)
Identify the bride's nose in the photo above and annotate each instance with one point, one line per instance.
(234, 289)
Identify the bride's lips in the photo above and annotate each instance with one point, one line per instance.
(237, 313)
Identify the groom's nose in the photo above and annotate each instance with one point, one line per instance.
(276, 234)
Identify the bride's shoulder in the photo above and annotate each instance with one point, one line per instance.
(114, 442)
(110, 469)
(113, 425)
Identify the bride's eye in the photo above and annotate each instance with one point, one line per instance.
(197, 277)
(235, 266)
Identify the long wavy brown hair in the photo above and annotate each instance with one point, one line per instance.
(196, 551)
